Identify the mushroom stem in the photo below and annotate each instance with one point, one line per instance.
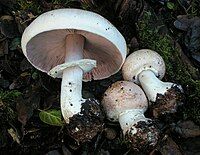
(152, 86)
(71, 87)
(129, 118)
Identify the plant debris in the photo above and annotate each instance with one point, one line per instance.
(186, 129)
(191, 25)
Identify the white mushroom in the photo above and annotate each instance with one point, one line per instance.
(74, 45)
(146, 67)
(126, 102)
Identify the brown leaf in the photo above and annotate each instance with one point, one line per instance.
(50, 100)
(191, 146)
(22, 111)
(3, 46)
(22, 81)
(25, 65)
(23, 19)
(192, 37)
(8, 26)
(8, 66)
(129, 11)
(65, 151)
(167, 147)
(187, 129)
(26, 104)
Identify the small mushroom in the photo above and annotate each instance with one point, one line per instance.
(75, 45)
(126, 102)
(146, 67)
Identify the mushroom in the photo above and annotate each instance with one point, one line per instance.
(75, 45)
(146, 67)
(126, 102)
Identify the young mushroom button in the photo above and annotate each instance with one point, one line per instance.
(146, 67)
(75, 45)
(126, 102)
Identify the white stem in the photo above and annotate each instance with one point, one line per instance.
(130, 117)
(71, 87)
(152, 85)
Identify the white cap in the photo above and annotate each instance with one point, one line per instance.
(43, 41)
(123, 96)
(141, 60)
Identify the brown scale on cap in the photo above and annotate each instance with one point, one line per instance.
(86, 124)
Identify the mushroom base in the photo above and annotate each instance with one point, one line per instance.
(85, 125)
(168, 102)
(146, 136)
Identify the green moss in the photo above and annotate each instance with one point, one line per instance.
(9, 96)
(7, 104)
(177, 70)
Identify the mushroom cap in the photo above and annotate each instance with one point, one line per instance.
(43, 41)
(123, 96)
(144, 59)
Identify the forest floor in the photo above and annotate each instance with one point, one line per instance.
(171, 28)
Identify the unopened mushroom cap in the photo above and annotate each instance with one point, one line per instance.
(123, 96)
(141, 60)
(43, 41)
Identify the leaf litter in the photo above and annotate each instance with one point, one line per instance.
(26, 91)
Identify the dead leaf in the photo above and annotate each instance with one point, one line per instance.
(65, 151)
(3, 137)
(22, 111)
(23, 19)
(14, 135)
(129, 11)
(22, 81)
(186, 129)
(192, 36)
(3, 46)
(8, 26)
(167, 147)
(8, 66)
(191, 146)
(51, 100)
(26, 104)
(25, 65)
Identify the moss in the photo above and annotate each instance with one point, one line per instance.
(9, 96)
(7, 104)
(150, 32)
